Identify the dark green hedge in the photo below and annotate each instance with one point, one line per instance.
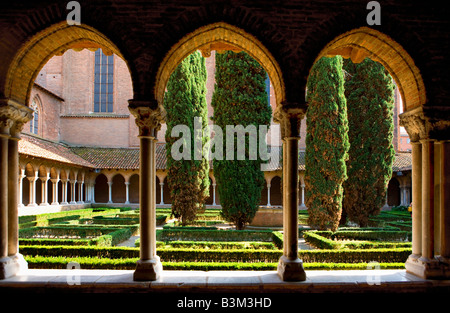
(188, 234)
(219, 255)
(130, 264)
(219, 245)
(319, 240)
(83, 235)
(47, 219)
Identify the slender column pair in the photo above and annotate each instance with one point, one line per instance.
(12, 118)
(430, 256)
(290, 267)
(148, 120)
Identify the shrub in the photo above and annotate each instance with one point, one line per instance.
(221, 255)
(326, 143)
(376, 239)
(239, 98)
(130, 264)
(213, 235)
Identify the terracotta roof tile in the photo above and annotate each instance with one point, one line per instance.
(402, 162)
(42, 148)
(108, 158)
(128, 158)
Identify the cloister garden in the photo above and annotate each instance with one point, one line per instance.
(108, 238)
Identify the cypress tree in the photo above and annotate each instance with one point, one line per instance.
(370, 103)
(239, 98)
(326, 143)
(185, 103)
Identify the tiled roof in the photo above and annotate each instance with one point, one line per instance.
(46, 149)
(118, 158)
(128, 158)
(402, 162)
(108, 158)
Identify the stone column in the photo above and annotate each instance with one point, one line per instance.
(417, 200)
(54, 191)
(127, 192)
(110, 192)
(431, 127)
(445, 202)
(427, 199)
(290, 267)
(93, 192)
(214, 194)
(268, 194)
(81, 192)
(64, 191)
(73, 195)
(148, 120)
(161, 185)
(32, 180)
(5, 125)
(21, 177)
(302, 205)
(44, 189)
(12, 118)
(17, 259)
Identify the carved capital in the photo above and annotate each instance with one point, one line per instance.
(289, 117)
(13, 116)
(427, 123)
(148, 120)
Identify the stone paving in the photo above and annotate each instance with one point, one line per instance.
(87, 281)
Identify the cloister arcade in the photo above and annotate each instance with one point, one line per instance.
(153, 50)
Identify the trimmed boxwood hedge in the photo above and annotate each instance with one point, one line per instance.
(320, 242)
(194, 233)
(47, 219)
(84, 235)
(35, 262)
(223, 255)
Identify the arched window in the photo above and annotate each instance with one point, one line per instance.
(34, 122)
(103, 82)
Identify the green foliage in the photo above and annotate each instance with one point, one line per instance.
(130, 264)
(357, 239)
(326, 143)
(225, 255)
(213, 235)
(370, 103)
(239, 98)
(185, 100)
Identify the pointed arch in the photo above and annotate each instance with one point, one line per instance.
(220, 37)
(54, 40)
(363, 42)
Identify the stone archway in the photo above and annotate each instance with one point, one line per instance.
(35, 53)
(428, 127)
(220, 37)
(365, 42)
(150, 114)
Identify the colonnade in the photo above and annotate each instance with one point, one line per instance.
(13, 116)
(430, 256)
(58, 186)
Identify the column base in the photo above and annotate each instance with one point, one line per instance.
(436, 268)
(148, 269)
(12, 265)
(291, 270)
